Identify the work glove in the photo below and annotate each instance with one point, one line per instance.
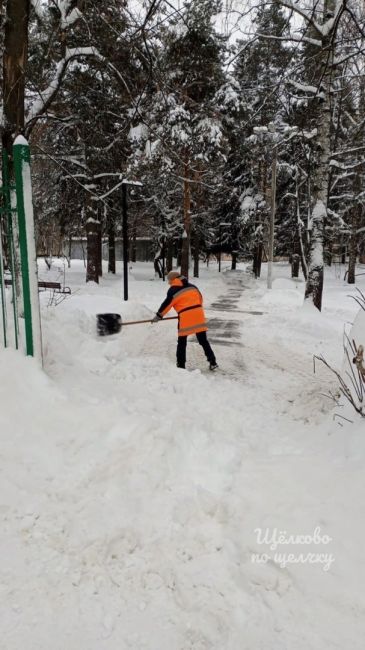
(156, 319)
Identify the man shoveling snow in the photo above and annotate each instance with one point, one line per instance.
(187, 301)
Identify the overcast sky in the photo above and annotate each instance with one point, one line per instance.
(234, 17)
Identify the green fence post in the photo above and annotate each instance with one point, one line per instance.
(28, 258)
(10, 239)
(2, 289)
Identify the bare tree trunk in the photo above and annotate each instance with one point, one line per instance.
(14, 65)
(235, 245)
(134, 242)
(356, 213)
(260, 219)
(185, 255)
(330, 253)
(343, 254)
(196, 230)
(169, 255)
(357, 209)
(297, 253)
(157, 266)
(352, 247)
(111, 248)
(257, 259)
(196, 254)
(92, 233)
(187, 220)
(69, 251)
(295, 265)
(15, 56)
(179, 255)
(100, 253)
(314, 285)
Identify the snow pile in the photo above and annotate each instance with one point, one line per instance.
(145, 507)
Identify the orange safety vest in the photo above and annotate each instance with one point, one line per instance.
(187, 301)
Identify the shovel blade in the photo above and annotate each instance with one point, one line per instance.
(107, 324)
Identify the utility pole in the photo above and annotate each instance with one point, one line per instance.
(272, 219)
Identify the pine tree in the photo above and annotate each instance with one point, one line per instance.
(184, 133)
(259, 67)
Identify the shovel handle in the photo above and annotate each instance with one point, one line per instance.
(136, 322)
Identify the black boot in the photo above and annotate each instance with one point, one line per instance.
(181, 351)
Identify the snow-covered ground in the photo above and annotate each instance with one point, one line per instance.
(142, 505)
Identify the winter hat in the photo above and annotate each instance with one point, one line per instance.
(172, 275)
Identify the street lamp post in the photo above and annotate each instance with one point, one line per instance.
(125, 239)
(125, 184)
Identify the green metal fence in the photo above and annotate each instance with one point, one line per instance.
(20, 315)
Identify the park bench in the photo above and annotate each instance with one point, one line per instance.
(55, 288)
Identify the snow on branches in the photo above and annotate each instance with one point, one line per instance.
(46, 96)
(69, 13)
(39, 9)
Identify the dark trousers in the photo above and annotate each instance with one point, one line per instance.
(181, 349)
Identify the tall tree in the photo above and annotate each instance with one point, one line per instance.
(14, 69)
(184, 131)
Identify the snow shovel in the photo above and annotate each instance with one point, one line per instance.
(112, 323)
